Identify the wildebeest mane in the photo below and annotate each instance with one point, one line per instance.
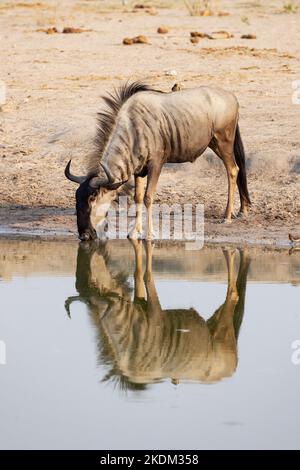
(106, 118)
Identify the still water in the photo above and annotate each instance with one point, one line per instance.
(115, 345)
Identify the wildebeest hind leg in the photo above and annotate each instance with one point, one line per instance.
(222, 145)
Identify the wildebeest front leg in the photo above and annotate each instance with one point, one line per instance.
(139, 292)
(153, 304)
(153, 175)
(137, 230)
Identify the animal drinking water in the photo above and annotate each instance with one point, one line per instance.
(141, 130)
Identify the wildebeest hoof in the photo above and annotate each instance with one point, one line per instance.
(88, 235)
(148, 278)
(233, 295)
(135, 234)
(242, 215)
(150, 236)
(103, 236)
(226, 221)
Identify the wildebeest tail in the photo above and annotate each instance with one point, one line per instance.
(239, 154)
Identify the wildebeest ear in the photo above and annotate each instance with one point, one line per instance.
(98, 181)
(115, 185)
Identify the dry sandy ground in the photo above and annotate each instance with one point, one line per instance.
(55, 82)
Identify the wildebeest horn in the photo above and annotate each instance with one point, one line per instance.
(69, 176)
(70, 300)
(106, 172)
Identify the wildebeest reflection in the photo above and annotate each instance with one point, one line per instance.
(141, 342)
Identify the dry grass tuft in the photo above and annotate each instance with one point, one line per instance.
(202, 7)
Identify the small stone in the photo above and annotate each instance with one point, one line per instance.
(71, 30)
(248, 36)
(221, 35)
(128, 41)
(198, 34)
(163, 30)
(170, 73)
(177, 87)
(140, 39)
(52, 30)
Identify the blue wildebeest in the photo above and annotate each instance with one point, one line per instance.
(142, 129)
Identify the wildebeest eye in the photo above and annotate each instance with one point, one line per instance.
(93, 196)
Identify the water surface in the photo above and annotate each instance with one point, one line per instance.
(128, 346)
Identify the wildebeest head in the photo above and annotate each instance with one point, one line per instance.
(93, 198)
